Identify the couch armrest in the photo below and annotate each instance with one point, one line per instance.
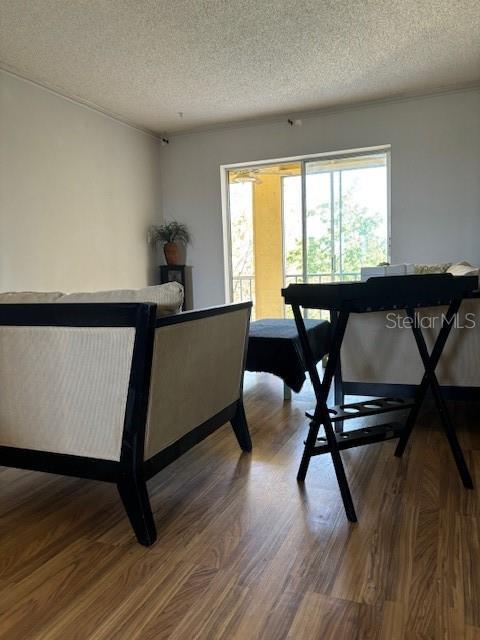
(197, 370)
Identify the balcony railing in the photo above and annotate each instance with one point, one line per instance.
(320, 278)
(243, 287)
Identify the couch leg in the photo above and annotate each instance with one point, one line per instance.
(240, 427)
(134, 495)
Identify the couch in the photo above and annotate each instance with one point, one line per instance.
(379, 357)
(114, 386)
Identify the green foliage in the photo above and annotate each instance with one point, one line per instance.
(242, 245)
(169, 232)
(361, 246)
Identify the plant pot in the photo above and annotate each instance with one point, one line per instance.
(172, 254)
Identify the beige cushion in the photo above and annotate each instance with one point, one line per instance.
(441, 267)
(463, 269)
(29, 297)
(168, 297)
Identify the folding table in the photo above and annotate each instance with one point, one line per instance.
(376, 294)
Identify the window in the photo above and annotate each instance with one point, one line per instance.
(310, 220)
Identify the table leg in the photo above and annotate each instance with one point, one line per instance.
(434, 357)
(287, 393)
(429, 379)
(338, 395)
(321, 415)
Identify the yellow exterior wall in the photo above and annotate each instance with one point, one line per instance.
(268, 247)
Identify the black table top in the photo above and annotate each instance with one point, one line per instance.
(383, 293)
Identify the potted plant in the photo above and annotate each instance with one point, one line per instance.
(171, 235)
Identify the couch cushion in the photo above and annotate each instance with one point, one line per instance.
(29, 297)
(168, 297)
(463, 269)
(440, 267)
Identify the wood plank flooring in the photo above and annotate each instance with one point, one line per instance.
(244, 552)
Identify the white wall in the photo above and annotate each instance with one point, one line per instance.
(435, 176)
(77, 193)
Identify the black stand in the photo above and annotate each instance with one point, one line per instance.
(183, 275)
(333, 442)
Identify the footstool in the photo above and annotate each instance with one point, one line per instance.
(274, 347)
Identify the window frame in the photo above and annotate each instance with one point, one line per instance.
(303, 159)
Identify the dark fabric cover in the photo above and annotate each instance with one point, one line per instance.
(274, 347)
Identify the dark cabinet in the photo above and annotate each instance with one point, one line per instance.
(183, 275)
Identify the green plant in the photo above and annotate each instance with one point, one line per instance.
(361, 245)
(172, 231)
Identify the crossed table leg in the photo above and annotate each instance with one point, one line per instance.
(429, 379)
(321, 414)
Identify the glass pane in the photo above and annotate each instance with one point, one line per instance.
(292, 233)
(318, 226)
(241, 232)
(347, 216)
(257, 221)
(363, 219)
(292, 229)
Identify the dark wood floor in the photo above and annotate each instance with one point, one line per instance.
(243, 552)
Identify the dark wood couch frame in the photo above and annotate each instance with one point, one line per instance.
(131, 472)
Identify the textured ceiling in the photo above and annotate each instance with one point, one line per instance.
(219, 61)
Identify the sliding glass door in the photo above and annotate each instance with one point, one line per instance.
(341, 218)
(315, 220)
